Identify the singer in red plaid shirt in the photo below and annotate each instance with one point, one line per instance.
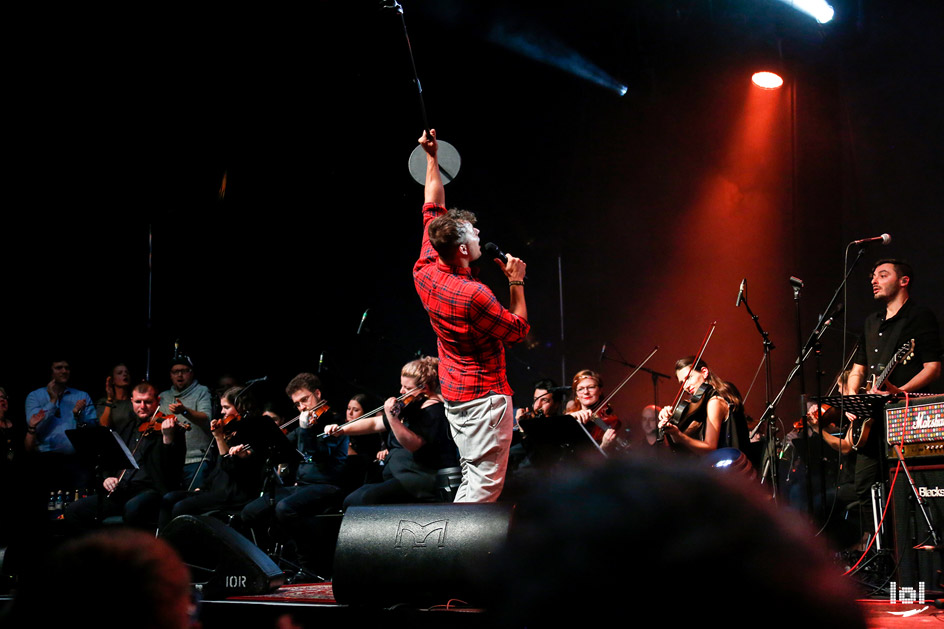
(472, 328)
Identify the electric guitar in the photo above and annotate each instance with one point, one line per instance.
(860, 427)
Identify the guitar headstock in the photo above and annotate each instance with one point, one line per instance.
(906, 352)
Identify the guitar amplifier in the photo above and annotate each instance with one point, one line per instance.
(917, 566)
(920, 431)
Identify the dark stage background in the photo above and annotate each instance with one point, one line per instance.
(652, 206)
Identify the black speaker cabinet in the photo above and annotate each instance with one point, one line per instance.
(417, 554)
(222, 562)
(918, 566)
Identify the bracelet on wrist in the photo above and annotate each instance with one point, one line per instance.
(516, 283)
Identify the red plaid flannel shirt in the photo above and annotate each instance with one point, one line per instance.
(471, 325)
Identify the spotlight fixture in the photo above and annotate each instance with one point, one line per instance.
(820, 10)
(767, 80)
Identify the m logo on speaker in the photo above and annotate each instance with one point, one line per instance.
(420, 533)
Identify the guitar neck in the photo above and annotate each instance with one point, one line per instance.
(900, 355)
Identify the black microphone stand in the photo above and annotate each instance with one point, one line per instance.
(771, 419)
(797, 285)
(815, 335)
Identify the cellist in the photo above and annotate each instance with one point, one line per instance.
(716, 418)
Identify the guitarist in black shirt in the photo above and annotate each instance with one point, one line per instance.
(885, 333)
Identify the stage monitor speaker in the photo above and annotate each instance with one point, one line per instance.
(222, 562)
(917, 566)
(418, 554)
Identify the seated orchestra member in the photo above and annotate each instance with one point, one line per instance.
(545, 402)
(588, 390)
(316, 484)
(826, 425)
(717, 422)
(366, 453)
(830, 418)
(234, 470)
(417, 436)
(136, 494)
(649, 423)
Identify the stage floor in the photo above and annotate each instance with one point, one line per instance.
(314, 603)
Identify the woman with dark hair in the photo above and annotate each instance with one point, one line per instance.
(717, 421)
(235, 470)
(114, 410)
(365, 453)
(417, 437)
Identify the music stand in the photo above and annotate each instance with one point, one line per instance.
(100, 448)
(862, 406)
(555, 438)
(268, 440)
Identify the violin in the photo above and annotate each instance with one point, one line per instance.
(313, 414)
(603, 420)
(403, 401)
(409, 400)
(820, 412)
(530, 413)
(693, 409)
(678, 396)
(228, 424)
(153, 425)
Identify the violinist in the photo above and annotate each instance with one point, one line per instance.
(417, 437)
(545, 401)
(136, 494)
(234, 471)
(827, 424)
(829, 418)
(716, 417)
(316, 485)
(602, 423)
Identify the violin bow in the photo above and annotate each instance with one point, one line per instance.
(691, 368)
(604, 402)
(627, 379)
(369, 415)
(133, 452)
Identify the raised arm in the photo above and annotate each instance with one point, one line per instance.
(434, 185)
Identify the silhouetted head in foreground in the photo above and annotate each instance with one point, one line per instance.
(672, 542)
(109, 579)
